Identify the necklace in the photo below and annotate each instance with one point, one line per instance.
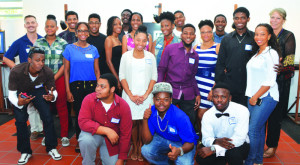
(240, 41)
(159, 125)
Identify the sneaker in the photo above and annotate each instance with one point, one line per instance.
(24, 158)
(54, 154)
(43, 142)
(34, 135)
(65, 142)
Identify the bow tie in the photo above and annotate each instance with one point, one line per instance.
(218, 115)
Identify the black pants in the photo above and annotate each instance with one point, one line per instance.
(79, 90)
(187, 106)
(233, 156)
(280, 111)
(21, 116)
(240, 98)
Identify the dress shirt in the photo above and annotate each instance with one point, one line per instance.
(93, 114)
(235, 126)
(179, 68)
(260, 72)
(217, 38)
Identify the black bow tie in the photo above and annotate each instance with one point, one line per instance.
(218, 115)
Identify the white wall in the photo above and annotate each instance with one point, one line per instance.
(195, 10)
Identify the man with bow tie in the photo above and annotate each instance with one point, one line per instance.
(224, 131)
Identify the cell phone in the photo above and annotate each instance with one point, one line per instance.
(259, 101)
(24, 96)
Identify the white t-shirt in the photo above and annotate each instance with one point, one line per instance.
(106, 106)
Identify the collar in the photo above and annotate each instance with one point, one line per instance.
(235, 33)
(182, 47)
(26, 38)
(166, 116)
(44, 39)
(268, 48)
(26, 69)
(116, 100)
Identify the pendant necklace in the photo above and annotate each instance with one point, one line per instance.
(240, 41)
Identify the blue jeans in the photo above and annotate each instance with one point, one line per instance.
(156, 152)
(258, 117)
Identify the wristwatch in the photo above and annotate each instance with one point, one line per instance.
(181, 151)
(212, 148)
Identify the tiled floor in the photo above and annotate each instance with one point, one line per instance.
(288, 152)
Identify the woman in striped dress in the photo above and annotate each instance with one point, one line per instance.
(207, 51)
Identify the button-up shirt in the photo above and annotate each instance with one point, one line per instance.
(235, 126)
(217, 38)
(93, 114)
(53, 53)
(20, 47)
(70, 37)
(179, 67)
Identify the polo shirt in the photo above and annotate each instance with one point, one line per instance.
(53, 53)
(118, 117)
(20, 47)
(70, 37)
(19, 79)
(175, 126)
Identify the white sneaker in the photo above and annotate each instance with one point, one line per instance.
(65, 142)
(24, 158)
(43, 142)
(54, 154)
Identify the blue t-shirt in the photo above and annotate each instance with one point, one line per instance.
(20, 47)
(176, 125)
(81, 62)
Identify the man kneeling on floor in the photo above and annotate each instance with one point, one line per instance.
(224, 131)
(167, 131)
(105, 122)
(28, 82)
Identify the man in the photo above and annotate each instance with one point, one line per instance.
(125, 16)
(28, 82)
(167, 131)
(179, 22)
(71, 19)
(105, 121)
(220, 22)
(235, 51)
(97, 39)
(21, 47)
(178, 66)
(224, 131)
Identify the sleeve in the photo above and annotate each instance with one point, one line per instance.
(208, 136)
(220, 65)
(66, 53)
(50, 82)
(96, 53)
(271, 59)
(122, 69)
(196, 89)
(288, 61)
(13, 51)
(85, 121)
(13, 98)
(220, 151)
(55, 95)
(150, 124)
(12, 81)
(154, 68)
(125, 131)
(163, 64)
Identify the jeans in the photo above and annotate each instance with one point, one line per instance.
(156, 152)
(89, 143)
(21, 116)
(258, 118)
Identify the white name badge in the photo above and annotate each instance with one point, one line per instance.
(38, 86)
(158, 46)
(148, 61)
(27, 50)
(248, 47)
(172, 130)
(58, 51)
(191, 61)
(232, 120)
(88, 55)
(114, 120)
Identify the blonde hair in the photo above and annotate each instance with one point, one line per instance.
(281, 12)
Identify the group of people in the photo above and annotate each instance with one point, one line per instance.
(168, 98)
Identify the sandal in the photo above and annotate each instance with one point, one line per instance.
(140, 158)
(270, 152)
(133, 157)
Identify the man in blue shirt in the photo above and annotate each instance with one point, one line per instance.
(21, 47)
(167, 131)
(220, 24)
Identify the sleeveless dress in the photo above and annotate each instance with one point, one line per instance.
(130, 43)
(206, 73)
(116, 57)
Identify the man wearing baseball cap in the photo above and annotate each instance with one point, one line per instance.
(167, 131)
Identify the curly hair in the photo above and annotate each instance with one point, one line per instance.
(206, 22)
(168, 16)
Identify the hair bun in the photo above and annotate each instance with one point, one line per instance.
(142, 28)
(50, 16)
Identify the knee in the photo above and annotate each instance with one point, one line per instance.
(147, 150)
(86, 139)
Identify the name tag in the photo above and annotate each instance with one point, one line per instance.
(58, 51)
(114, 120)
(38, 86)
(232, 120)
(248, 47)
(158, 46)
(88, 55)
(148, 61)
(172, 129)
(191, 61)
(27, 50)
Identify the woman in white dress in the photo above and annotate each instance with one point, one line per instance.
(138, 74)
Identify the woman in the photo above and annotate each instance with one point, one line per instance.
(287, 44)
(262, 89)
(138, 75)
(136, 19)
(166, 25)
(81, 69)
(113, 48)
(53, 47)
(208, 53)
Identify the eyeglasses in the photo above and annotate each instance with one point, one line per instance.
(94, 23)
(208, 32)
(83, 31)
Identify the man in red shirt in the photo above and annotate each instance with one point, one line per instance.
(105, 121)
